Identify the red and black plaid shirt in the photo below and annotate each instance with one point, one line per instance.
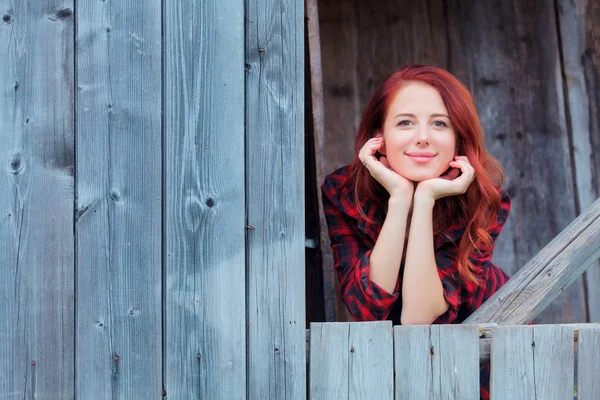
(353, 239)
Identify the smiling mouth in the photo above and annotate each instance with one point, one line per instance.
(421, 158)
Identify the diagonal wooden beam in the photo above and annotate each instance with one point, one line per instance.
(543, 278)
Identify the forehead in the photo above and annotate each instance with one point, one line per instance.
(417, 98)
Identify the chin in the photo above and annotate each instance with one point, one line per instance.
(419, 176)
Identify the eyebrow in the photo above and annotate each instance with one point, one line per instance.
(414, 116)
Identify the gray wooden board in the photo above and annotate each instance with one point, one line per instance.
(436, 361)
(351, 360)
(36, 200)
(328, 361)
(508, 55)
(371, 361)
(532, 362)
(275, 199)
(552, 270)
(512, 365)
(118, 204)
(574, 41)
(588, 363)
(553, 356)
(205, 342)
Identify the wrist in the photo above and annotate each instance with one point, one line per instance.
(401, 201)
(424, 199)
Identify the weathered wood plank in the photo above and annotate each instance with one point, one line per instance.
(532, 362)
(205, 200)
(351, 360)
(512, 364)
(458, 355)
(275, 278)
(549, 273)
(553, 356)
(588, 363)
(118, 206)
(431, 361)
(36, 200)
(573, 42)
(328, 362)
(414, 366)
(371, 361)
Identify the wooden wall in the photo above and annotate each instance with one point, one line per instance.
(534, 70)
(151, 200)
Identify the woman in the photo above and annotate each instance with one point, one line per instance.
(414, 218)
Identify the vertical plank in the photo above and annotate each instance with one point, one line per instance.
(320, 161)
(553, 357)
(118, 204)
(574, 41)
(329, 360)
(205, 354)
(507, 54)
(435, 361)
(371, 361)
(275, 199)
(416, 369)
(588, 363)
(351, 360)
(36, 199)
(458, 355)
(512, 364)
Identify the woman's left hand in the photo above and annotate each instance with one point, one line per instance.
(450, 184)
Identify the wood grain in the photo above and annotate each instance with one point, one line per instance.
(548, 274)
(436, 361)
(588, 385)
(351, 360)
(37, 193)
(275, 274)
(205, 249)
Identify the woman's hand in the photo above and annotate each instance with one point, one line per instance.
(450, 184)
(394, 183)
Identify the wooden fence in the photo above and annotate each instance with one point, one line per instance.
(373, 360)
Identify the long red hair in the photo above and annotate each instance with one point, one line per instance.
(479, 206)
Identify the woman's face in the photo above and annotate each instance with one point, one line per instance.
(419, 139)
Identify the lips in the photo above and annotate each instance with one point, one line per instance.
(420, 157)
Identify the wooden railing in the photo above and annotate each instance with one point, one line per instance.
(373, 360)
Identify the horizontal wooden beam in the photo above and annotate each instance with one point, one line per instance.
(542, 279)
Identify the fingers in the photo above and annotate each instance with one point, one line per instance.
(468, 172)
(366, 153)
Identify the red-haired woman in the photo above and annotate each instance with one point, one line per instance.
(414, 218)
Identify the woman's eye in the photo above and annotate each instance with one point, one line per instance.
(437, 123)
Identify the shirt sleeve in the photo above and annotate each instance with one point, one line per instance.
(464, 294)
(365, 300)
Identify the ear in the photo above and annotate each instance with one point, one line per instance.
(382, 148)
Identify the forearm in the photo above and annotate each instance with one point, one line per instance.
(387, 253)
(422, 292)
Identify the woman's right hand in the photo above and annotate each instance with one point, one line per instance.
(380, 170)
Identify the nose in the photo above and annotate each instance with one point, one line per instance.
(423, 135)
